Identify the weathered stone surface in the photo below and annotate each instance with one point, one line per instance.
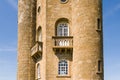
(82, 16)
(26, 39)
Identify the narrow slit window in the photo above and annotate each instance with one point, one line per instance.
(99, 66)
(38, 71)
(98, 24)
(39, 34)
(39, 9)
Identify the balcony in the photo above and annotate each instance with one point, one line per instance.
(36, 50)
(63, 43)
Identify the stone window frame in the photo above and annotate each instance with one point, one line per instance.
(59, 21)
(63, 66)
(99, 66)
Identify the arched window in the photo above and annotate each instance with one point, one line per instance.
(39, 34)
(62, 29)
(39, 8)
(63, 67)
(38, 71)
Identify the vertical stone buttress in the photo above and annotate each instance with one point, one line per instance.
(26, 39)
(88, 45)
(41, 23)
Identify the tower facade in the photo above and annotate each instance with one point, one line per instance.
(60, 40)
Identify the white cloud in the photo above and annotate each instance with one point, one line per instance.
(13, 3)
(8, 49)
(117, 7)
(112, 11)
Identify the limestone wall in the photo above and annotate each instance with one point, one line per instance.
(87, 48)
(26, 39)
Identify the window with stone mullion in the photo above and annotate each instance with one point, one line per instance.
(59, 30)
(62, 29)
(65, 30)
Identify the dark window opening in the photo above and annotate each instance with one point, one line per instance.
(39, 9)
(99, 66)
(98, 24)
(63, 0)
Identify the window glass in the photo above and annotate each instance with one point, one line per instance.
(62, 29)
(63, 67)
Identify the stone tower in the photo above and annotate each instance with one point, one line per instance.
(60, 40)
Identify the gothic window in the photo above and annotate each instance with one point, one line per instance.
(63, 68)
(39, 34)
(62, 29)
(38, 71)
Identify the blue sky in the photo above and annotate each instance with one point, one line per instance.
(8, 39)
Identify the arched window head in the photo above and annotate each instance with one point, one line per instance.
(62, 27)
(38, 71)
(39, 34)
(62, 67)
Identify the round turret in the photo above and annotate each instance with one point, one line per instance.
(87, 37)
(26, 39)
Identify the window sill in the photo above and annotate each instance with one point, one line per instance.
(99, 72)
(99, 30)
(63, 76)
(37, 78)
